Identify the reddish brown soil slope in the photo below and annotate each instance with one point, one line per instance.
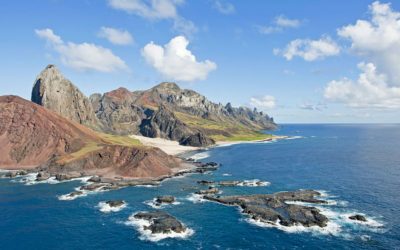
(32, 136)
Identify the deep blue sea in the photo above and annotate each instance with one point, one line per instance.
(358, 166)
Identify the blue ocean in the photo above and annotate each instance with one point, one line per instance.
(356, 167)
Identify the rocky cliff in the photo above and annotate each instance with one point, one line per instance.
(165, 111)
(53, 91)
(32, 136)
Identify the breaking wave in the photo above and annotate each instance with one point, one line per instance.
(106, 208)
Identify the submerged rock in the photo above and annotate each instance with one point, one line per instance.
(272, 208)
(203, 182)
(160, 222)
(358, 217)
(211, 190)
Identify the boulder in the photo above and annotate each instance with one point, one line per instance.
(41, 176)
(358, 217)
(165, 199)
(116, 203)
(161, 222)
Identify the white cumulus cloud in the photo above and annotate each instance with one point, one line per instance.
(263, 102)
(116, 36)
(175, 62)
(82, 56)
(156, 10)
(377, 41)
(309, 50)
(370, 90)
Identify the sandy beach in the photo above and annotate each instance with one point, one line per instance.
(168, 146)
(173, 147)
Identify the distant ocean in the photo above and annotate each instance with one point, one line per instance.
(357, 167)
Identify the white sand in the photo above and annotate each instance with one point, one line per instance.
(169, 147)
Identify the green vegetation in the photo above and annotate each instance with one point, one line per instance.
(105, 139)
(119, 140)
(223, 130)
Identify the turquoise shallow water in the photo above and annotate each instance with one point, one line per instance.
(357, 165)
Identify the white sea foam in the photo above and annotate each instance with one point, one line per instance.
(226, 174)
(154, 204)
(195, 198)
(106, 208)
(254, 183)
(140, 225)
(295, 137)
(30, 179)
(201, 155)
(339, 223)
(332, 228)
(83, 193)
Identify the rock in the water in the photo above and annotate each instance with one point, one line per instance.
(203, 182)
(161, 222)
(67, 176)
(228, 183)
(272, 208)
(165, 199)
(75, 193)
(11, 174)
(95, 179)
(116, 203)
(211, 190)
(42, 176)
(358, 217)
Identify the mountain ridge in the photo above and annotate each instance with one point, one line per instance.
(165, 111)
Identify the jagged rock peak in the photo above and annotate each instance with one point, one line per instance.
(167, 86)
(53, 91)
(119, 93)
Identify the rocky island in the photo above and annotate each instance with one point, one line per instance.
(274, 209)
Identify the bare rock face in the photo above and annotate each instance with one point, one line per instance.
(163, 123)
(53, 91)
(117, 112)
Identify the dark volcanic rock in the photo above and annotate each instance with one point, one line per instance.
(272, 208)
(165, 199)
(67, 176)
(358, 217)
(203, 182)
(197, 140)
(161, 222)
(163, 123)
(95, 179)
(53, 91)
(116, 203)
(41, 176)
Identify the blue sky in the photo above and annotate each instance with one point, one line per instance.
(300, 61)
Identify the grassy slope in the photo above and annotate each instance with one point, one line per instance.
(92, 146)
(222, 131)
